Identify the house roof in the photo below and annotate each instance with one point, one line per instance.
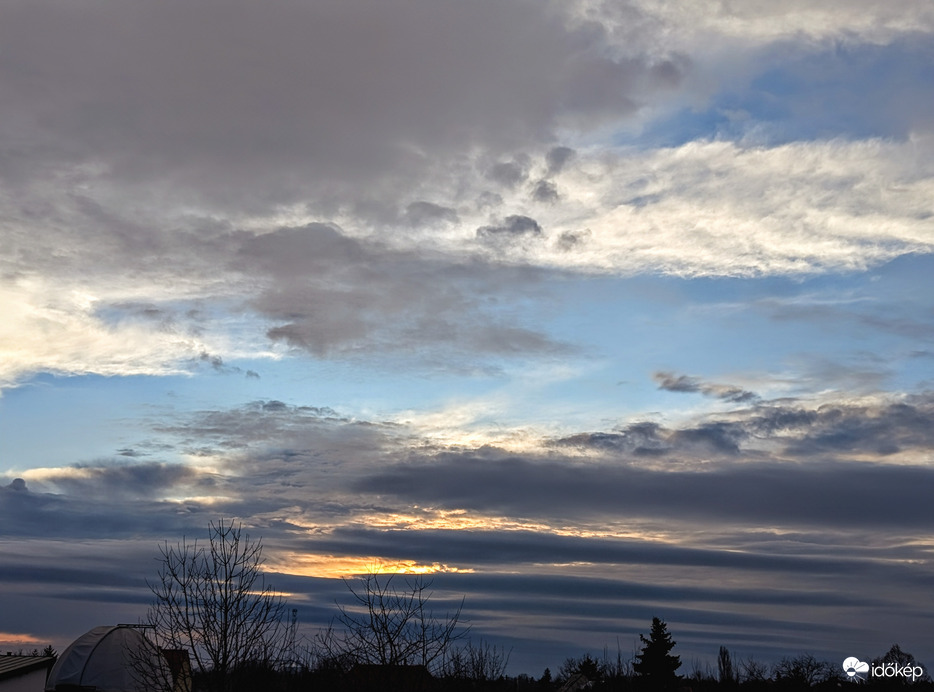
(12, 666)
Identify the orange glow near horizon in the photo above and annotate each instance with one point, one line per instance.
(417, 518)
(19, 639)
(331, 567)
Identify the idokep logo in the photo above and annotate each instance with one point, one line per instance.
(856, 670)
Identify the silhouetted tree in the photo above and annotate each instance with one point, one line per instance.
(392, 623)
(618, 671)
(214, 601)
(804, 671)
(586, 665)
(900, 658)
(655, 665)
(481, 662)
(725, 672)
(545, 682)
(754, 672)
(701, 674)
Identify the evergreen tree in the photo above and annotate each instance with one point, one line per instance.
(655, 665)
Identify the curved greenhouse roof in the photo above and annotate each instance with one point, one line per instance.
(108, 659)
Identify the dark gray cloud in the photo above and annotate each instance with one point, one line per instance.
(221, 368)
(330, 293)
(603, 589)
(719, 438)
(511, 229)
(771, 465)
(637, 439)
(17, 485)
(685, 383)
(268, 420)
(570, 240)
(123, 480)
(219, 96)
(558, 157)
(862, 429)
(829, 431)
(835, 495)
(545, 191)
(509, 173)
(502, 548)
(41, 515)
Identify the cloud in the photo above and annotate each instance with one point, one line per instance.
(332, 293)
(508, 173)
(123, 480)
(558, 157)
(774, 464)
(869, 21)
(55, 330)
(732, 496)
(883, 431)
(512, 228)
(545, 191)
(684, 383)
(763, 210)
(312, 288)
(250, 94)
(422, 213)
(762, 495)
(17, 485)
(145, 209)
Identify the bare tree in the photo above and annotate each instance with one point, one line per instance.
(754, 671)
(725, 671)
(390, 623)
(804, 671)
(150, 666)
(481, 662)
(214, 601)
(619, 669)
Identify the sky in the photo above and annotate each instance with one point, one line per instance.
(594, 311)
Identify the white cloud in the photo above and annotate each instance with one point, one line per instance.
(761, 20)
(47, 329)
(716, 208)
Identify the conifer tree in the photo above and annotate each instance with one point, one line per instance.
(655, 665)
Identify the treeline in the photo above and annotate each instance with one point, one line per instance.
(801, 672)
(481, 668)
(213, 603)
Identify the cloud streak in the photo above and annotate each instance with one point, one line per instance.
(685, 383)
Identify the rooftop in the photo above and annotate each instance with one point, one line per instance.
(12, 665)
